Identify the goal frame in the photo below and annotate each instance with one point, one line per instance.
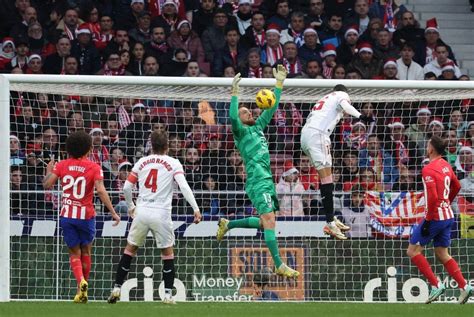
(6, 80)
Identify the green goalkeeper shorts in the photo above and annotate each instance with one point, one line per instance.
(263, 196)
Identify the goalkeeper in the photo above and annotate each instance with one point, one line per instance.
(251, 142)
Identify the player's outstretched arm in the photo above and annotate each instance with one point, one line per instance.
(127, 192)
(280, 75)
(234, 105)
(104, 197)
(188, 195)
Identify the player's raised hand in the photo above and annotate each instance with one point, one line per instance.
(116, 218)
(279, 73)
(50, 166)
(235, 85)
(197, 216)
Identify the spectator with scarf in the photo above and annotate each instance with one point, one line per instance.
(290, 60)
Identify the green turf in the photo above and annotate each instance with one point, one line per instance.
(254, 309)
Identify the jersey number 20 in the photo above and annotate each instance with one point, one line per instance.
(78, 186)
(151, 180)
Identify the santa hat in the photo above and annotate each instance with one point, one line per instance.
(365, 47)
(310, 30)
(137, 1)
(171, 2)
(289, 169)
(83, 29)
(353, 29)
(214, 136)
(273, 28)
(390, 62)
(423, 110)
(466, 149)
(329, 49)
(359, 124)
(244, 2)
(432, 25)
(123, 164)
(183, 22)
(34, 56)
(91, 132)
(437, 121)
(8, 40)
(138, 106)
(396, 122)
(449, 65)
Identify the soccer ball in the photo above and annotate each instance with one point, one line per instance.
(265, 99)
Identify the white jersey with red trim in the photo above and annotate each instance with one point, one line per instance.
(155, 175)
(327, 112)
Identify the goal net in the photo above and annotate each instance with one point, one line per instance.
(376, 167)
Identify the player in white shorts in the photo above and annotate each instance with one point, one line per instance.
(316, 144)
(155, 175)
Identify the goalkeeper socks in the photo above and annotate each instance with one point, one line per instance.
(272, 245)
(328, 201)
(76, 266)
(422, 263)
(250, 222)
(168, 274)
(122, 269)
(455, 272)
(86, 266)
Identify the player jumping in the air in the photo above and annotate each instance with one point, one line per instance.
(316, 144)
(441, 187)
(155, 175)
(79, 177)
(252, 144)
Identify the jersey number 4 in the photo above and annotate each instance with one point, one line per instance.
(151, 180)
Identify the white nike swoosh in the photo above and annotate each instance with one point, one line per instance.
(167, 271)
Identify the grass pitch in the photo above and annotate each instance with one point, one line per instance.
(253, 309)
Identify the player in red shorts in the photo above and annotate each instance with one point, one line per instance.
(79, 177)
(441, 187)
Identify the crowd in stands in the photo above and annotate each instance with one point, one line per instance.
(312, 39)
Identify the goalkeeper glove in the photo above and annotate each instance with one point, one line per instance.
(366, 119)
(235, 85)
(425, 228)
(280, 75)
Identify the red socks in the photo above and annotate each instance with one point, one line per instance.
(425, 269)
(86, 266)
(455, 272)
(76, 267)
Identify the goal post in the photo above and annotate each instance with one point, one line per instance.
(4, 189)
(371, 267)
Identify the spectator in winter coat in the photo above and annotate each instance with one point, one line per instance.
(355, 214)
(213, 38)
(407, 68)
(254, 35)
(289, 190)
(85, 52)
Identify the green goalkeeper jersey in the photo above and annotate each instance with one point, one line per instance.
(251, 141)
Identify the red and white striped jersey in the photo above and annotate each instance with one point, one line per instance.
(441, 187)
(78, 178)
(155, 175)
